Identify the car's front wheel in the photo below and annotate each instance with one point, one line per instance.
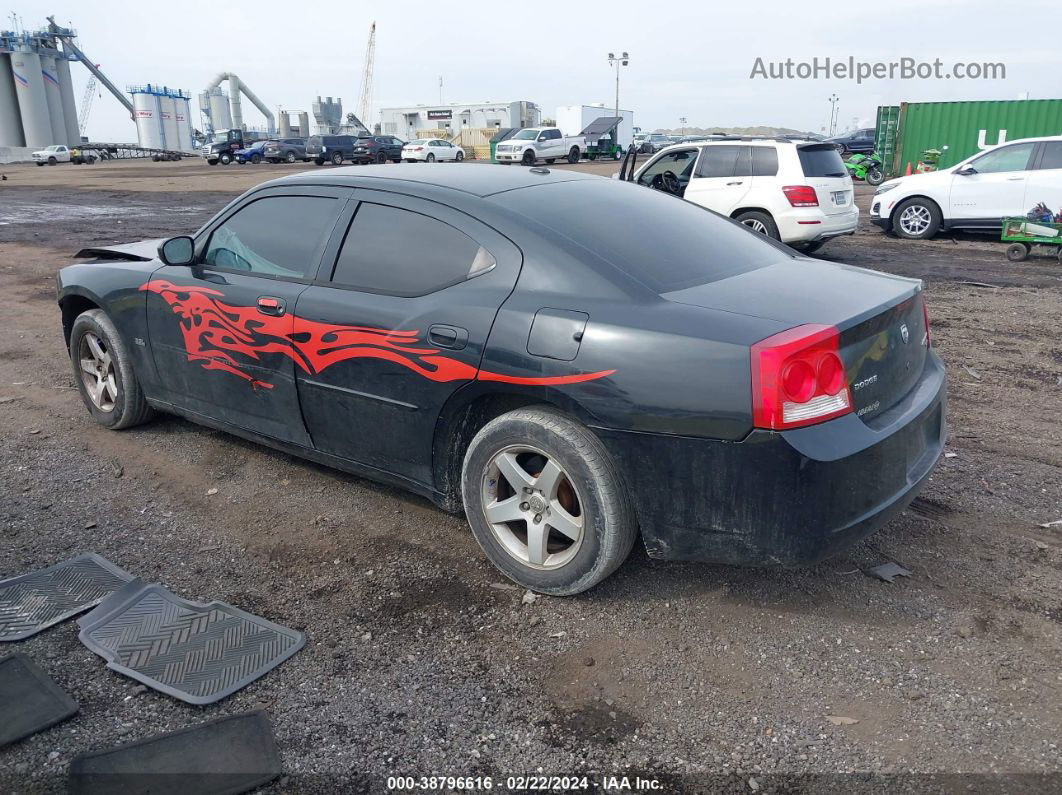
(290, 157)
(917, 219)
(337, 158)
(546, 502)
(459, 156)
(104, 374)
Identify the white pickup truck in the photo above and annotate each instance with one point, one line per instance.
(533, 144)
(56, 153)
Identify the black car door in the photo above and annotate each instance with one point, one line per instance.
(221, 332)
(397, 323)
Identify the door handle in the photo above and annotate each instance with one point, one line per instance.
(271, 305)
(1015, 179)
(735, 183)
(448, 337)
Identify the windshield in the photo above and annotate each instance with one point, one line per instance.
(418, 142)
(526, 135)
(662, 241)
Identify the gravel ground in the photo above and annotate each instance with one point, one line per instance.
(421, 660)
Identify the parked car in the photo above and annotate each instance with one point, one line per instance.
(861, 141)
(975, 194)
(478, 336)
(657, 141)
(640, 143)
(252, 153)
(540, 143)
(285, 150)
(52, 155)
(429, 150)
(796, 192)
(332, 149)
(378, 149)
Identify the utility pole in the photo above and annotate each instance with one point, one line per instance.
(440, 89)
(833, 100)
(683, 120)
(622, 60)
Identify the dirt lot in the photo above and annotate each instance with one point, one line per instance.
(420, 660)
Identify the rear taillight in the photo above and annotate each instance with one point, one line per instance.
(925, 316)
(801, 195)
(418, 148)
(798, 379)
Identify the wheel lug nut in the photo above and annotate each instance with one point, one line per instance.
(524, 506)
(538, 518)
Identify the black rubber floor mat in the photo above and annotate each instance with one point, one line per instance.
(30, 700)
(228, 755)
(33, 602)
(198, 653)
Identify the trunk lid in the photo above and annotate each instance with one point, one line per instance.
(825, 172)
(883, 341)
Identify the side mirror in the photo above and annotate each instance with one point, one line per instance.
(966, 171)
(178, 251)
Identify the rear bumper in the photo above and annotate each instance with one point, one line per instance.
(810, 224)
(783, 499)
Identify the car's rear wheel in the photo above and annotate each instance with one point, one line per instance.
(430, 158)
(573, 155)
(917, 219)
(290, 157)
(337, 158)
(104, 374)
(256, 159)
(546, 502)
(759, 222)
(381, 157)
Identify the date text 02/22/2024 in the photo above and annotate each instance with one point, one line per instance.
(535, 783)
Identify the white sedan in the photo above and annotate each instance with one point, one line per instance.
(431, 149)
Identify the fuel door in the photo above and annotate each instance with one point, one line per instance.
(556, 334)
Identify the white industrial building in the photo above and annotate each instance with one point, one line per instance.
(418, 120)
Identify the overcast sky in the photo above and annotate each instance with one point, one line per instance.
(684, 61)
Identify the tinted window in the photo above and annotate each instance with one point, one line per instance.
(719, 161)
(1052, 155)
(821, 161)
(764, 161)
(664, 242)
(276, 236)
(398, 252)
(1006, 158)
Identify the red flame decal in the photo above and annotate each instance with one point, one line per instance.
(213, 331)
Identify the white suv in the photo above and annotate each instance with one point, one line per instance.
(1004, 180)
(798, 192)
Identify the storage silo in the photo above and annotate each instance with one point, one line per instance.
(168, 114)
(284, 125)
(32, 100)
(182, 113)
(220, 114)
(53, 96)
(66, 93)
(10, 117)
(304, 125)
(148, 117)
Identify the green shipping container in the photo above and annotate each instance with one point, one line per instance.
(959, 129)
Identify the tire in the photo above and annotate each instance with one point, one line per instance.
(528, 159)
(573, 155)
(916, 219)
(843, 149)
(225, 159)
(127, 406)
(381, 158)
(459, 157)
(875, 177)
(256, 159)
(430, 158)
(40, 162)
(1018, 252)
(318, 162)
(590, 482)
(759, 222)
(52, 161)
(212, 162)
(337, 158)
(289, 157)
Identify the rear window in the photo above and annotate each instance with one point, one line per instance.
(664, 242)
(822, 160)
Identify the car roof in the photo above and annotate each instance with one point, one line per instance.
(472, 178)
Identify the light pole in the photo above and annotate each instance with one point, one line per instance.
(683, 120)
(833, 99)
(622, 60)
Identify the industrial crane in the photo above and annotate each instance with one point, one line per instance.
(365, 106)
(86, 103)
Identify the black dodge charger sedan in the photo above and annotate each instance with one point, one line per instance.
(568, 358)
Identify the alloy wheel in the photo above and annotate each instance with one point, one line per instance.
(97, 372)
(914, 220)
(756, 225)
(533, 507)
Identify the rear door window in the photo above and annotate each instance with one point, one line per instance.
(400, 252)
(821, 161)
(1052, 156)
(764, 161)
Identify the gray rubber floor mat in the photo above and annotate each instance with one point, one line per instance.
(29, 700)
(32, 602)
(229, 755)
(198, 653)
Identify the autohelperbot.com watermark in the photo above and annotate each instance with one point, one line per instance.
(852, 69)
